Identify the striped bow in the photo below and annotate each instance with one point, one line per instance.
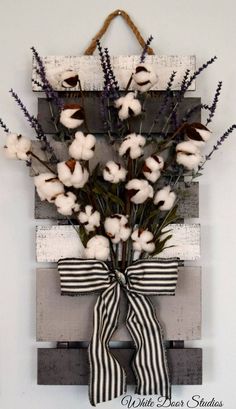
(142, 278)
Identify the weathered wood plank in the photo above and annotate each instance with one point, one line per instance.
(188, 204)
(91, 74)
(65, 318)
(92, 105)
(55, 242)
(103, 153)
(71, 367)
(185, 242)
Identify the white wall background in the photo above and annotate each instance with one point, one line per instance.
(204, 28)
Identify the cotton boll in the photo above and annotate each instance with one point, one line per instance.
(197, 133)
(165, 198)
(190, 162)
(132, 145)
(143, 241)
(128, 106)
(152, 168)
(72, 116)
(66, 203)
(48, 186)
(82, 146)
(97, 248)
(114, 172)
(71, 173)
(69, 79)
(17, 147)
(144, 77)
(188, 155)
(117, 228)
(139, 190)
(89, 218)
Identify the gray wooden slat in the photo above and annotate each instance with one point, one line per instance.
(92, 105)
(103, 153)
(188, 204)
(65, 318)
(55, 242)
(71, 367)
(91, 74)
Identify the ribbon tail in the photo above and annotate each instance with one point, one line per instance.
(107, 377)
(149, 363)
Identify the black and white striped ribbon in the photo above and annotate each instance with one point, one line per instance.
(142, 278)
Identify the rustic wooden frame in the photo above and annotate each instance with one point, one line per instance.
(69, 366)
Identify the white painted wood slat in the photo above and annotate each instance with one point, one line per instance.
(55, 242)
(91, 75)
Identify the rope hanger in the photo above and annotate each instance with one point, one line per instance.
(91, 48)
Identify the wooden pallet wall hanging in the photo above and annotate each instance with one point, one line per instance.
(61, 319)
(117, 239)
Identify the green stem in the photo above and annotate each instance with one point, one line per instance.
(164, 145)
(41, 161)
(128, 207)
(129, 83)
(83, 105)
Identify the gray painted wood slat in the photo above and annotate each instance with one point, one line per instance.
(71, 367)
(91, 74)
(65, 318)
(55, 242)
(92, 105)
(188, 204)
(103, 153)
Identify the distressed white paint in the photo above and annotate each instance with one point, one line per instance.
(91, 74)
(186, 242)
(55, 242)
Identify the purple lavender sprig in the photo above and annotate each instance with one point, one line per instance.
(110, 82)
(184, 81)
(111, 88)
(221, 140)
(111, 76)
(165, 103)
(218, 144)
(196, 73)
(145, 49)
(105, 93)
(30, 118)
(103, 64)
(168, 93)
(46, 86)
(104, 108)
(214, 103)
(191, 111)
(3, 126)
(34, 125)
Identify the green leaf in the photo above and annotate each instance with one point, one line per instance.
(83, 236)
(160, 244)
(116, 199)
(100, 190)
(152, 215)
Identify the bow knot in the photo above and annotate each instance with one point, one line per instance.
(120, 277)
(142, 278)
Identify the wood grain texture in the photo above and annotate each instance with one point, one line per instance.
(188, 204)
(55, 242)
(92, 105)
(103, 153)
(71, 367)
(65, 318)
(91, 75)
